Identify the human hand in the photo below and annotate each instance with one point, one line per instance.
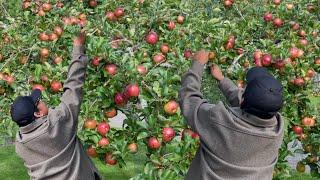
(80, 39)
(216, 72)
(201, 56)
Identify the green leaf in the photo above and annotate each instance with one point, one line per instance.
(142, 135)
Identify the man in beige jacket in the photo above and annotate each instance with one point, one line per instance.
(47, 139)
(239, 140)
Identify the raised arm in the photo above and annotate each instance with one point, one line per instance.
(228, 88)
(71, 99)
(194, 108)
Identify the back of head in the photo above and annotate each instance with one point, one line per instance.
(23, 108)
(263, 96)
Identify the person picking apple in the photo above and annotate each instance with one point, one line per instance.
(47, 138)
(238, 140)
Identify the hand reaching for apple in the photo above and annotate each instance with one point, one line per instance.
(80, 39)
(201, 56)
(216, 72)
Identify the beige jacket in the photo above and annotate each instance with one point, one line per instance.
(49, 146)
(234, 145)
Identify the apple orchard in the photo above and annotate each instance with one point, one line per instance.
(138, 51)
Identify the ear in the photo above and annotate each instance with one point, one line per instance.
(37, 114)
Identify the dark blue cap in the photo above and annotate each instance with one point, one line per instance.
(263, 95)
(23, 108)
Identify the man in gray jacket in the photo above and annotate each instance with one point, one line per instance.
(240, 140)
(47, 139)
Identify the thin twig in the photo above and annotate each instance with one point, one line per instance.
(5, 10)
(235, 61)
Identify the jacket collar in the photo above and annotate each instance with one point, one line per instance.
(252, 119)
(34, 125)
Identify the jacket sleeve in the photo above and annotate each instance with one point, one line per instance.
(69, 108)
(195, 109)
(231, 92)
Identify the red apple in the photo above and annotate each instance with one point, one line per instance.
(110, 16)
(167, 134)
(92, 152)
(103, 142)
(43, 36)
(74, 20)
(119, 99)
(240, 51)
(44, 78)
(111, 113)
(279, 64)
(103, 128)
(302, 33)
(133, 148)
(277, 2)
(142, 69)
(314, 33)
(56, 86)
(307, 121)
(9, 79)
(211, 55)
(59, 4)
(153, 143)
(83, 23)
(230, 43)
(90, 124)
(46, 7)
(195, 136)
(180, 19)
(95, 61)
(267, 17)
(295, 52)
(295, 26)
(53, 37)
(66, 20)
(41, 13)
(119, 12)
(164, 48)
(26, 5)
(310, 73)
(171, 107)
(187, 53)
(93, 3)
(188, 132)
(297, 129)
(299, 81)
(110, 159)
(38, 86)
(58, 30)
(44, 53)
(82, 16)
(277, 22)
(303, 42)
(171, 25)
(228, 3)
(290, 6)
(317, 61)
(158, 58)
(132, 90)
(111, 69)
(152, 38)
(266, 60)
(57, 60)
(257, 55)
